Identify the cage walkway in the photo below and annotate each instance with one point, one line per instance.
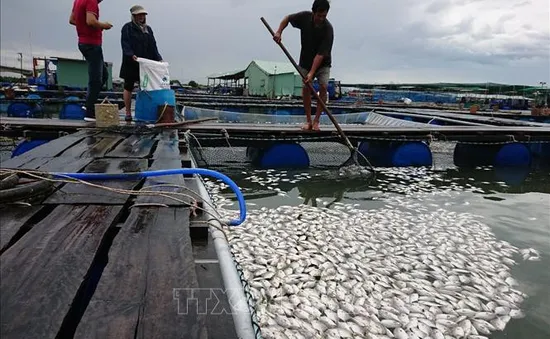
(85, 262)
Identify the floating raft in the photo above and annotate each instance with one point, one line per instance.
(85, 262)
(14, 126)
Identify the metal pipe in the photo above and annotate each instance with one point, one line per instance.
(234, 289)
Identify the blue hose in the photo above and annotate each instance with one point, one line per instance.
(180, 171)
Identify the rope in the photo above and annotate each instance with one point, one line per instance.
(43, 176)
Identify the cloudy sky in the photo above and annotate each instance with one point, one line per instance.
(375, 41)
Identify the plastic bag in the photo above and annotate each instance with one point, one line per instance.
(153, 75)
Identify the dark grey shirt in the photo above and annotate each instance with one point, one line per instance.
(315, 40)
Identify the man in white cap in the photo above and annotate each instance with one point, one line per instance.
(137, 41)
(85, 16)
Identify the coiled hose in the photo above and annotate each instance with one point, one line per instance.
(11, 190)
(176, 171)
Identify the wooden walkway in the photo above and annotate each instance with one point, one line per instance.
(85, 262)
(18, 126)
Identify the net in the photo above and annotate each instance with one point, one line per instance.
(283, 117)
(321, 153)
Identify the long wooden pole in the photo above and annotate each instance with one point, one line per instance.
(319, 101)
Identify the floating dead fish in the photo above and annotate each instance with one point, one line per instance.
(381, 273)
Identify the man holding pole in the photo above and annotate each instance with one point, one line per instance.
(317, 36)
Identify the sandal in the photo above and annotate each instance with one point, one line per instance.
(306, 127)
(128, 118)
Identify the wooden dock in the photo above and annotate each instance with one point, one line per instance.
(86, 262)
(11, 127)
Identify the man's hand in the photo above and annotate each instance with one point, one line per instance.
(277, 37)
(134, 57)
(107, 26)
(309, 78)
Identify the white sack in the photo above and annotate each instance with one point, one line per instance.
(153, 75)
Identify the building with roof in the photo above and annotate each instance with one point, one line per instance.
(259, 78)
(273, 79)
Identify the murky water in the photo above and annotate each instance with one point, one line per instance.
(514, 204)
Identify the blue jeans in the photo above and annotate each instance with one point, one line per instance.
(97, 75)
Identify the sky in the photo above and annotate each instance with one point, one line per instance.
(399, 41)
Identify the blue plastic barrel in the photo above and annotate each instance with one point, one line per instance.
(499, 155)
(26, 145)
(147, 103)
(277, 156)
(72, 111)
(396, 154)
(20, 110)
(513, 155)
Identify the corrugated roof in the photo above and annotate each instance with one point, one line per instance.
(275, 67)
(228, 75)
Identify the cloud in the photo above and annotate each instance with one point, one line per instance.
(400, 41)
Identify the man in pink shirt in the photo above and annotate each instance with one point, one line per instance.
(85, 16)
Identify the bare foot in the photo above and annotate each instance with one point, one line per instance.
(316, 126)
(306, 127)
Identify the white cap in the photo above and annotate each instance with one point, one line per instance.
(137, 9)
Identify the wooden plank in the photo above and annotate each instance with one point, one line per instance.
(136, 146)
(84, 145)
(65, 164)
(164, 164)
(43, 271)
(102, 147)
(13, 219)
(150, 257)
(50, 149)
(95, 146)
(85, 194)
(167, 146)
(35, 163)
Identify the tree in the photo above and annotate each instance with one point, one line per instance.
(193, 84)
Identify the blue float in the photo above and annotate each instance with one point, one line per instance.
(72, 111)
(34, 97)
(513, 155)
(277, 156)
(501, 155)
(26, 145)
(148, 102)
(24, 110)
(396, 153)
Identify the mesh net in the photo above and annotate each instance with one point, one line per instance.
(321, 155)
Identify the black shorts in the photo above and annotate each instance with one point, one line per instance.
(129, 84)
